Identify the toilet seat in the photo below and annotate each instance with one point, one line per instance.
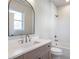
(56, 51)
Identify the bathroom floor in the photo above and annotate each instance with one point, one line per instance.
(66, 54)
(65, 57)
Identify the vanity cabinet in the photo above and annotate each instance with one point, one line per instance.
(20, 57)
(39, 53)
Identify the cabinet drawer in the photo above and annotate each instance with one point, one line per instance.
(41, 50)
(37, 52)
(44, 49)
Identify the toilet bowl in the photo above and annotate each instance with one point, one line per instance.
(56, 53)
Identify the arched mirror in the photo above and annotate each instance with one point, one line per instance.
(21, 18)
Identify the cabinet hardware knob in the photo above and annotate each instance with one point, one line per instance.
(48, 45)
(20, 41)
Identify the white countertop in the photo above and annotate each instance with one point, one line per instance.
(13, 53)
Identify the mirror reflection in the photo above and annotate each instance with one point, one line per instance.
(21, 18)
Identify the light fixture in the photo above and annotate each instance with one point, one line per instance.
(67, 0)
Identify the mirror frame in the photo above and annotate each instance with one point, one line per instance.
(33, 23)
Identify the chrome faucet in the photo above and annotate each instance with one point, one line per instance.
(27, 38)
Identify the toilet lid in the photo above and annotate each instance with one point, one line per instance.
(54, 49)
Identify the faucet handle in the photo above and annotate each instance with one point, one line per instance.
(20, 41)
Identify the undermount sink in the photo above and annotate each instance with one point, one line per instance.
(31, 43)
(27, 45)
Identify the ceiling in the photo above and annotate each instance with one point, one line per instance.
(60, 3)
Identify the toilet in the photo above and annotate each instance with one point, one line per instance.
(56, 53)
